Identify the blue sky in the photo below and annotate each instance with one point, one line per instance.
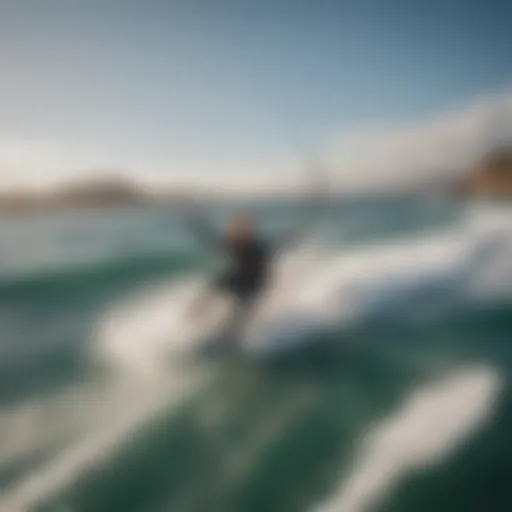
(189, 86)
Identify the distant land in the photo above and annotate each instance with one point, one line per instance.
(490, 177)
(102, 193)
(109, 193)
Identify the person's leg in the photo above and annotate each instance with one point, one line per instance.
(242, 310)
(219, 284)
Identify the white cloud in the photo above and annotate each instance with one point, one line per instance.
(398, 156)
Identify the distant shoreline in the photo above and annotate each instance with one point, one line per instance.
(491, 178)
(106, 194)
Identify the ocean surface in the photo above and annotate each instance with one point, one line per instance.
(397, 399)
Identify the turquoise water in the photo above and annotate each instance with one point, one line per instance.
(403, 404)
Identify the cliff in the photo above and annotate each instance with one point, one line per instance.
(491, 177)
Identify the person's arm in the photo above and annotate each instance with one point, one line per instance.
(201, 228)
(309, 214)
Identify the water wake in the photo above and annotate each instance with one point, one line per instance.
(95, 423)
(430, 425)
(316, 290)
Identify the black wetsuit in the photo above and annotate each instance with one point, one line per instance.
(248, 270)
(249, 261)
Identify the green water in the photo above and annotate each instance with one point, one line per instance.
(86, 433)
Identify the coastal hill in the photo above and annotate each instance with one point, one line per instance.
(105, 193)
(491, 177)
(99, 193)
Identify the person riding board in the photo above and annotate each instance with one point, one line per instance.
(249, 256)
